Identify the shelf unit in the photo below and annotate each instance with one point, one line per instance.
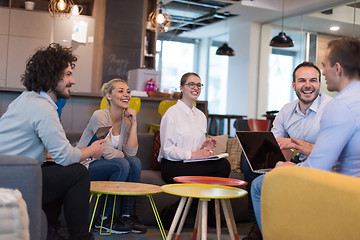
(150, 37)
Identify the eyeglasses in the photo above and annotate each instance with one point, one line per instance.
(192, 84)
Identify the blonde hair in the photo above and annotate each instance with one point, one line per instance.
(109, 86)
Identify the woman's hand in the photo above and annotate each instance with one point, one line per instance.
(209, 144)
(202, 153)
(130, 114)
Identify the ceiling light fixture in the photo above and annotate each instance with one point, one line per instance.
(159, 18)
(282, 40)
(60, 8)
(225, 50)
(334, 28)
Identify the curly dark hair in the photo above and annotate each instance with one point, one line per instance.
(46, 67)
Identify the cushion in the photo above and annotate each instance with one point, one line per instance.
(221, 143)
(155, 165)
(13, 215)
(234, 150)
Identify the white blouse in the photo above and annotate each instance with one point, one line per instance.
(182, 131)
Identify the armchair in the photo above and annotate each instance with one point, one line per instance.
(24, 174)
(303, 203)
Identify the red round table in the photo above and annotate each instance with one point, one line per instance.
(230, 221)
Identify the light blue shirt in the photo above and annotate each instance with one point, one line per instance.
(338, 143)
(291, 122)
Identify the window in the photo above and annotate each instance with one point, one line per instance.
(217, 82)
(173, 59)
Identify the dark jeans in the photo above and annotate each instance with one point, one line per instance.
(216, 168)
(127, 169)
(249, 177)
(68, 187)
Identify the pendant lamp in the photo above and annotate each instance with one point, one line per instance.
(282, 40)
(159, 18)
(225, 50)
(60, 8)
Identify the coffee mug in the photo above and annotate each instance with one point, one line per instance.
(76, 9)
(29, 5)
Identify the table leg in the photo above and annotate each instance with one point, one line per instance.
(204, 209)
(157, 217)
(112, 217)
(197, 221)
(218, 220)
(176, 218)
(183, 218)
(228, 203)
(96, 203)
(230, 222)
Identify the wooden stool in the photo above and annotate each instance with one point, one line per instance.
(125, 189)
(205, 192)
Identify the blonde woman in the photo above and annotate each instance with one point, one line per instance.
(119, 162)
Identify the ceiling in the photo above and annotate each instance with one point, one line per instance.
(204, 18)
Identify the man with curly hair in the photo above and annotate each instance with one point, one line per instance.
(31, 125)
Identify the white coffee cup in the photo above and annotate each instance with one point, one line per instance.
(29, 5)
(76, 10)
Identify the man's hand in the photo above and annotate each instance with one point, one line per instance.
(284, 164)
(302, 146)
(285, 143)
(97, 148)
(287, 153)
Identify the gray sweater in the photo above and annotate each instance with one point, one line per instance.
(101, 118)
(30, 125)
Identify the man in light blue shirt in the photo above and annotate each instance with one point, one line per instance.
(337, 146)
(299, 120)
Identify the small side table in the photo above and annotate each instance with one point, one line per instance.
(127, 189)
(215, 181)
(205, 192)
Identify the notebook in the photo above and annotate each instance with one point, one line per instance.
(260, 149)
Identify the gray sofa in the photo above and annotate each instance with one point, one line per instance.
(24, 174)
(164, 200)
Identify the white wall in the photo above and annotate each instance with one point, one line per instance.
(242, 94)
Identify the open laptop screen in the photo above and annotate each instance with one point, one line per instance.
(260, 148)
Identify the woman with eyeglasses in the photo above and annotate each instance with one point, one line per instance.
(183, 137)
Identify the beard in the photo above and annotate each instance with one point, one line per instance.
(63, 93)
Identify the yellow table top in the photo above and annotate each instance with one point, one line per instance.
(123, 188)
(208, 191)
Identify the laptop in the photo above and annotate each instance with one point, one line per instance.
(260, 149)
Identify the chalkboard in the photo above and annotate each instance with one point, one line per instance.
(123, 38)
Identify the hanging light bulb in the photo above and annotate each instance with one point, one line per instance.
(61, 5)
(282, 40)
(225, 50)
(159, 18)
(60, 8)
